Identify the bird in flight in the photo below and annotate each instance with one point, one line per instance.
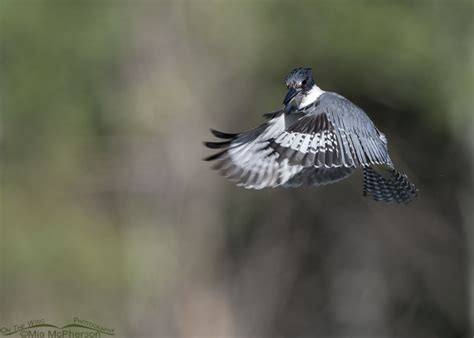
(317, 138)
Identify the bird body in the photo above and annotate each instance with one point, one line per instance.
(317, 138)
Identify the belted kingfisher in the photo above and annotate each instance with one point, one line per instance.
(317, 138)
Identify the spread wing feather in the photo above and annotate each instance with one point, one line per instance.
(319, 144)
(313, 141)
(247, 159)
(332, 133)
(368, 143)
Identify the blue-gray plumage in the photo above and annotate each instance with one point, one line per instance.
(317, 138)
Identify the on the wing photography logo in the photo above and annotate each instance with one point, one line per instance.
(39, 328)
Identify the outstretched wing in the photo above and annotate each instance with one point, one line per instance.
(332, 133)
(369, 143)
(314, 142)
(247, 159)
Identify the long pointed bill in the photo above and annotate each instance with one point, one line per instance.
(290, 95)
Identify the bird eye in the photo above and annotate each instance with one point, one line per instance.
(303, 83)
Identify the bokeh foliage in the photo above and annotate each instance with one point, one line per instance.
(109, 214)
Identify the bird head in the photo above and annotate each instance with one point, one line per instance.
(299, 81)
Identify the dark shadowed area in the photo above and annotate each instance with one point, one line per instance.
(109, 214)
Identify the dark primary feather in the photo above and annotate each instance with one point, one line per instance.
(222, 135)
(272, 114)
(217, 145)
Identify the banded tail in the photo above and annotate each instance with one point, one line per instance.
(391, 187)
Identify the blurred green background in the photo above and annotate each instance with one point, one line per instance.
(109, 214)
